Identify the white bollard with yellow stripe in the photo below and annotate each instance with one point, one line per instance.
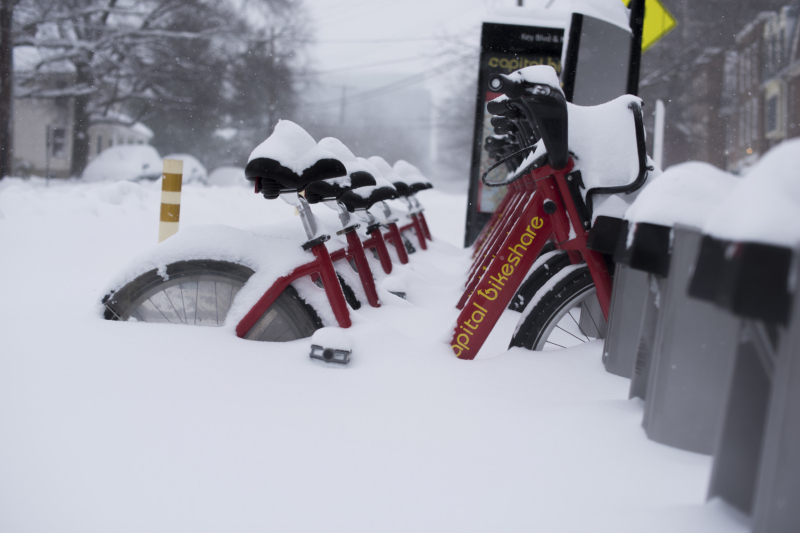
(170, 198)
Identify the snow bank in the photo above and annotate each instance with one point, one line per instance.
(126, 162)
(116, 426)
(292, 147)
(765, 206)
(687, 194)
(193, 170)
(228, 177)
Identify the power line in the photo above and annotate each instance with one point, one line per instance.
(373, 41)
(373, 64)
(394, 86)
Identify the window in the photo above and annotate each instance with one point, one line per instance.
(772, 114)
(59, 141)
(99, 143)
(754, 124)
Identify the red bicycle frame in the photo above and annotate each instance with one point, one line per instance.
(396, 239)
(519, 249)
(355, 251)
(321, 266)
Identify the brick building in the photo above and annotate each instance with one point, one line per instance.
(762, 86)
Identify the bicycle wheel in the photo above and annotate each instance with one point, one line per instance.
(555, 261)
(200, 293)
(565, 316)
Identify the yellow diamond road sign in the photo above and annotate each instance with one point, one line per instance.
(658, 22)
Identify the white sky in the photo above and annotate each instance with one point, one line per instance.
(393, 36)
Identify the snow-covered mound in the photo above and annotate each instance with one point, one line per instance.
(193, 170)
(764, 208)
(197, 430)
(292, 147)
(228, 177)
(125, 162)
(686, 194)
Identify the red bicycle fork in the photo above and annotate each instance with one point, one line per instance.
(321, 266)
(488, 229)
(495, 239)
(417, 227)
(496, 242)
(396, 239)
(519, 250)
(355, 251)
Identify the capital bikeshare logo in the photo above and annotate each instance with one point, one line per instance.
(496, 284)
(510, 65)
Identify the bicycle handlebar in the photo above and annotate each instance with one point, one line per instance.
(641, 148)
(500, 83)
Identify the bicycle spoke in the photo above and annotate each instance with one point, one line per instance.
(551, 342)
(593, 322)
(579, 326)
(571, 334)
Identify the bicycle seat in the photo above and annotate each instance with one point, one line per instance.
(333, 189)
(412, 177)
(289, 160)
(354, 199)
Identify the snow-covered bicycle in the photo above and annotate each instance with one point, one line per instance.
(200, 288)
(568, 166)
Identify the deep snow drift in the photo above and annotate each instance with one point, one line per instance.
(111, 426)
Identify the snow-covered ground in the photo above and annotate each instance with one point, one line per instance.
(117, 427)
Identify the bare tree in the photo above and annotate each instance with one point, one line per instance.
(151, 56)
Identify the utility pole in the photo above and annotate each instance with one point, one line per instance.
(344, 101)
(637, 24)
(6, 96)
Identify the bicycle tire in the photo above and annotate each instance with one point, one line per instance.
(554, 314)
(184, 296)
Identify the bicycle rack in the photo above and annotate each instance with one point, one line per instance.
(691, 361)
(752, 283)
(649, 252)
(628, 295)
(777, 489)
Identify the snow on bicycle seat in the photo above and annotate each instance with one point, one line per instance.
(412, 176)
(357, 177)
(389, 174)
(289, 160)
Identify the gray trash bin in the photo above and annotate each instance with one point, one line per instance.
(777, 500)
(692, 358)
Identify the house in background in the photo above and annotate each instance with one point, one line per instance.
(763, 86)
(43, 125)
(114, 129)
